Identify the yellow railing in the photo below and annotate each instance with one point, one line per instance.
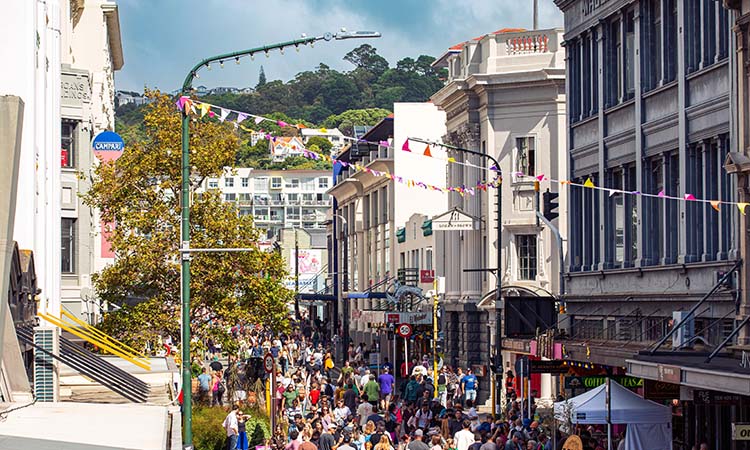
(89, 337)
(102, 335)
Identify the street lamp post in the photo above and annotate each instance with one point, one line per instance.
(187, 85)
(498, 363)
(344, 338)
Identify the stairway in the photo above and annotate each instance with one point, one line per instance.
(92, 366)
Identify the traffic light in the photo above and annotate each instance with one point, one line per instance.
(549, 205)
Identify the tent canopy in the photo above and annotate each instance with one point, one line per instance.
(627, 407)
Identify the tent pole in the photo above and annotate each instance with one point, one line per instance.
(609, 413)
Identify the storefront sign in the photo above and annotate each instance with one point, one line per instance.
(516, 345)
(413, 318)
(454, 220)
(74, 89)
(741, 431)
(573, 382)
(659, 390)
(549, 367)
(108, 146)
(670, 374)
(706, 397)
(426, 276)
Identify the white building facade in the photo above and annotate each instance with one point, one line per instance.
(374, 207)
(92, 53)
(505, 97)
(277, 199)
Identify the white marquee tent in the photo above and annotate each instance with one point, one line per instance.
(649, 423)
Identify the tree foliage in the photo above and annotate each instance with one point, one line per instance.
(140, 193)
(345, 121)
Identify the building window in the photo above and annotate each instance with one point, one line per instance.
(275, 182)
(68, 144)
(526, 157)
(322, 183)
(245, 181)
(260, 184)
(293, 198)
(229, 182)
(292, 183)
(629, 55)
(651, 44)
(230, 197)
(526, 249)
(655, 211)
(670, 40)
(428, 259)
(213, 183)
(68, 246)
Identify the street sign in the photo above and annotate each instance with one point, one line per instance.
(268, 363)
(404, 330)
(108, 146)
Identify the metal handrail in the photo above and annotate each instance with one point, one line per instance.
(102, 334)
(77, 332)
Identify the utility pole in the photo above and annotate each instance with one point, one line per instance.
(435, 305)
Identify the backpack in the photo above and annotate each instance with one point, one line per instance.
(222, 388)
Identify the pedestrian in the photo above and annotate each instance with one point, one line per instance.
(327, 440)
(514, 443)
(384, 443)
(386, 381)
(217, 390)
(465, 437)
(204, 386)
(372, 389)
(418, 442)
(470, 385)
(231, 426)
(242, 442)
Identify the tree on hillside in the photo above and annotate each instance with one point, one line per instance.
(140, 193)
(261, 77)
(345, 121)
(323, 144)
(366, 57)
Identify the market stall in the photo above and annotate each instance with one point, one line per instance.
(649, 424)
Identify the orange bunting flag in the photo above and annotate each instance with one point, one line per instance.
(564, 182)
(715, 204)
(588, 183)
(742, 207)
(427, 151)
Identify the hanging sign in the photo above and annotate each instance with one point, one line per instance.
(108, 146)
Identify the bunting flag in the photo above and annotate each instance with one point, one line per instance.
(205, 108)
(189, 106)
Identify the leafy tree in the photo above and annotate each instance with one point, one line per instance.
(261, 77)
(366, 57)
(140, 193)
(346, 120)
(323, 144)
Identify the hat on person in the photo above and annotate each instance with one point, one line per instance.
(418, 432)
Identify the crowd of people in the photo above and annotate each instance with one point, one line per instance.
(358, 406)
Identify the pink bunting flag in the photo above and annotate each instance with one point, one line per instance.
(662, 194)
(211, 114)
(540, 177)
(689, 197)
(281, 123)
(405, 147)
(181, 102)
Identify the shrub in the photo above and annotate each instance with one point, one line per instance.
(208, 434)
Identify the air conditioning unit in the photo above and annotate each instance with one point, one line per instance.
(683, 336)
(46, 381)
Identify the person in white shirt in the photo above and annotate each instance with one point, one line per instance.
(341, 413)
(364, 410)
(231, 426)
(465, 437)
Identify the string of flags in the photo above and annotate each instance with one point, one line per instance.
(206, 109)
(589, 184)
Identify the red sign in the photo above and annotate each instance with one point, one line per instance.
(392, 318)
(268, 363)
(404, 330)
(426, 276)
(64, 157)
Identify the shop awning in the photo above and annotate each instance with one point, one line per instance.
(401, 234)
(427, 228)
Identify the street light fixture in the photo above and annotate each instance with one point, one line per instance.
(187, 85)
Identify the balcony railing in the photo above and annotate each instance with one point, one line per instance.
(521, 45)
(408, 276)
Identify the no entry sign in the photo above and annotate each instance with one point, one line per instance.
(268, 363)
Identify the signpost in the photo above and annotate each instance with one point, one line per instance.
(404, 330)
(108, 146)
(269, 365)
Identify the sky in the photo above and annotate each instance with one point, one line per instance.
(163, 39)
